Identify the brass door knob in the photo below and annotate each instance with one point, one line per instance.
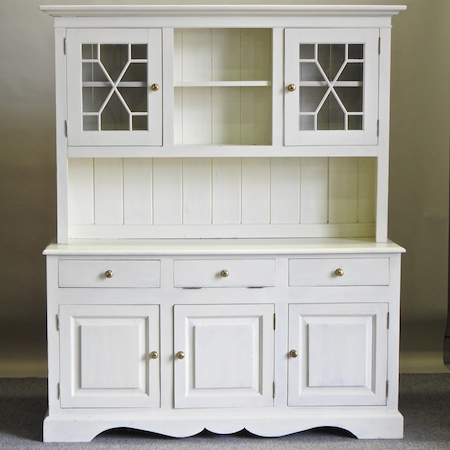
(109, 274)
(224, 273)
(154, 355)
(180, 355)
(154, 87)
(293, 353)
(339, 272)
(292, 87)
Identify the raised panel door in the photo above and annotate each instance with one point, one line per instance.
(106, 356)
(223, 355)
(337, 354)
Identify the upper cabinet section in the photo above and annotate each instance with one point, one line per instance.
(223, 80)
(113, 87)
(331, 80)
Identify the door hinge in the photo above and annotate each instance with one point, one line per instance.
(378, 127)
(387, 388)
(65, 46)
(273, 389)
(379, 45)
(57, 322)
(274, 321)
(388, 318)
(58, 391)
(66, 128)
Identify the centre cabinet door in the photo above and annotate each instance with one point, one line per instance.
(109, 356)
(331, 86)
(223, 355)
(114, 81)
(338, 354)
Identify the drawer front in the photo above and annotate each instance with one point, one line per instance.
(224, 273)
(339, 272)
(108, 273)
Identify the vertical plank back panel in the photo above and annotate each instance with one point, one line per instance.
(195, 54)
(108, 191)
(255, 116)
(255, 54)
(197, 190)
(81, 191)
(167, 191)
(196, 116)
(226, 54)
(255, 190)
(343, 179)
(314, 190)
(223, 191)
(226, 191)
(137, 191)
(285, 191)
(226, 116)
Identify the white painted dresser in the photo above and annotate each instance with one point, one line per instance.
(222, 259)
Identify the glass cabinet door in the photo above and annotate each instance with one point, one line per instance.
(114, 87)
(331, 87)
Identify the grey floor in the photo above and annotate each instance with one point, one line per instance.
(424, 402)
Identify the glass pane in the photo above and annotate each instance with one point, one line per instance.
(93, 98)
(355, 122)
(307, 122)
(310, 97)
(343, 107)
(89, 51)
(90, 123)
(139, 51)
(115, 116)
(135, 98)
(351, 97)
(93, 72)
(352, 72)
(331, 116)
(355, 51)
(310, 72)
(331, 58)
(307, 51)
(140, 123)
(136, 72)
(114, 57)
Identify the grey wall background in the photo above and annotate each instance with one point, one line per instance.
(419, 181)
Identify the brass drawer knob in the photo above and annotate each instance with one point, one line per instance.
(224, 273)
(154, 87)
(109, 274)
(154, 355)
(180, 355)
(293, 353)
(339, 272)
(292, 87)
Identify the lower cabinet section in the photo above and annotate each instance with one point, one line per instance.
(105, 354)
(174, 357)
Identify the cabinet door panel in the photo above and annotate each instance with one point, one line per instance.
(342, 350)
(228, 355)
(110, 78)
(331, 81)
(105, 356)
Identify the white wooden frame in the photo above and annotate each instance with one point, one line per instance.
(280, 244)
